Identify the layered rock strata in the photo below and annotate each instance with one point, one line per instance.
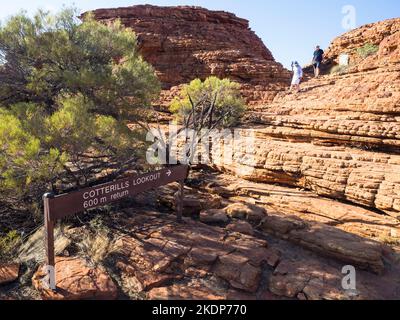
(184, 43)
(338, 136)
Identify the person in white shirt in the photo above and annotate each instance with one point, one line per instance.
(297, 76)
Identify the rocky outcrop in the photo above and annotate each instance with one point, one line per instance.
(327, 227)
(184, 43)
(312, 280)
(339, 135)
(328, 240)
(384, 35)
(363, 177)
(284, 234)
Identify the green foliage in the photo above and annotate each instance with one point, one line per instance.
(8, 245)
(51, 55)
(67, 92)
(367, 50)
(221, 95)
(339, 70)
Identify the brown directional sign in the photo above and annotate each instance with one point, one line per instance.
(58, 207)
(100, 195)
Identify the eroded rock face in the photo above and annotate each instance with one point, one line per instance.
(363, 177)
(384, 34)
(344, 232)
(339, 136)
(154, 257)
(184, 43)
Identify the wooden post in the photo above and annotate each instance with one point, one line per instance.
(49, 241)
(180, 201)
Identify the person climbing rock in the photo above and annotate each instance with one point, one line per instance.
(317, 60)
(297, 76)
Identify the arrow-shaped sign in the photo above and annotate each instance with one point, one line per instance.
(68, 204)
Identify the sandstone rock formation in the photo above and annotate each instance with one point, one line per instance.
(184, 43)
(384, 34)
(168, 252)
(154, 257)
(339, 136)
(341, 231)
(151, 256)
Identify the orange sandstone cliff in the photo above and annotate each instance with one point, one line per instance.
(184, 43)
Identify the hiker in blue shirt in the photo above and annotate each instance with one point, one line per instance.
(317, 60)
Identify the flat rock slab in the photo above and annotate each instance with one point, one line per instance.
(9, 273)
(328, 241)
(164, 252)
(213, 216)
(75, 280)
(185, 291)
(241, 227)
(312, 280)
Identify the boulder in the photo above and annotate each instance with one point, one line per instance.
(247, 211)
(241, 227)
(9, 272)
(194, 201)
(76, 280)
(213, 216)
(236, 269)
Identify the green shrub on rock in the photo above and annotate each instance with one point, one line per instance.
(217, 102)
(367, 50)
(8, 245)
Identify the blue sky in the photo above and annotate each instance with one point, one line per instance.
(290, 29)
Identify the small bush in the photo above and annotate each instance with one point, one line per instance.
(8, 245)
(367, 50)
(223, 97)
(339, 70)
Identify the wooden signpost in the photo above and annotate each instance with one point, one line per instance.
(61, 206)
